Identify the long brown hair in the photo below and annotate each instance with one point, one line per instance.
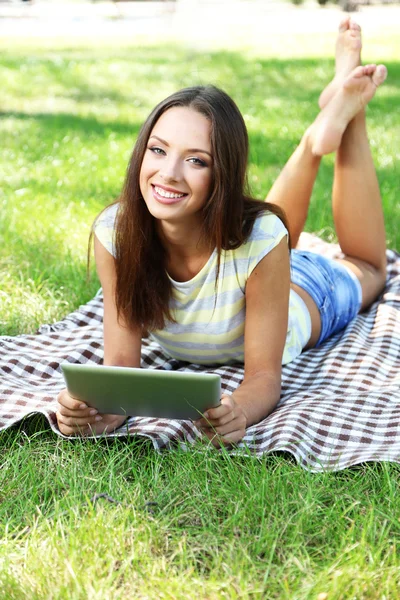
(143, 288)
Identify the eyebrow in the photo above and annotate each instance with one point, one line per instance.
(189, 149)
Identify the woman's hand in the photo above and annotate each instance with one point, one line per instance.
(74, 417)
(225, 424)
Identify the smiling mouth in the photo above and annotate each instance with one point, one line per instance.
(166, 197)
(165, 194)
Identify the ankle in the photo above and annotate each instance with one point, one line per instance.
(358, 123)
(308, 144)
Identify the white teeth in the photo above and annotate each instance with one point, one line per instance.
(166, 194)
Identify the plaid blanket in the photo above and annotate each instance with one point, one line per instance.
(340, 403)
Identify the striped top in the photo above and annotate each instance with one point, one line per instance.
(209, 330)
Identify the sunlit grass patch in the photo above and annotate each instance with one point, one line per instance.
(70, 118)
(189, 524)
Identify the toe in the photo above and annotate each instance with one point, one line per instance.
(354, 26)
(363, 70)
(344, 24)
(368, 70)
(380, 75)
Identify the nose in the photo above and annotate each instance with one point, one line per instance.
(171, 169)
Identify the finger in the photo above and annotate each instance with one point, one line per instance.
(100, 428)
(213, 423)
(94, 429)
(75, 422)
(232, 438)
(78, 421)
(84, 413)
(224, 441)
(67, 430)
(224, 430)
(227, 404)
(238, 424)
(223, 414)
(68, 401)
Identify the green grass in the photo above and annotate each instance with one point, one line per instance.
(189, 525)
(68, 122)
(222, 527)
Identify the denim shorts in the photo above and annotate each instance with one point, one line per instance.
(335, 289)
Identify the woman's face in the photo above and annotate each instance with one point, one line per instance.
(176, 172)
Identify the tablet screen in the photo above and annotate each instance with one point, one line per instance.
(143, 392)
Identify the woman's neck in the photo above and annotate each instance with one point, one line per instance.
(183, 241)
(187, 251)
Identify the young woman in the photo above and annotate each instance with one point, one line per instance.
(189, 257)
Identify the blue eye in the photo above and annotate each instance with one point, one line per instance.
(198, 162)
(156, 150)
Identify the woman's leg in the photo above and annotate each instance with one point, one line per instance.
(357, 210)
(347, 57)
(356, 201)
(293, 187)
(341, 126)
(292, 192)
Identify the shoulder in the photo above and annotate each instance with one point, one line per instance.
(267, 232)
(104, 226)
(267, 226)
(107, 217)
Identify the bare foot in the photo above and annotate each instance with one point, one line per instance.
(347, 57)
(353, 95)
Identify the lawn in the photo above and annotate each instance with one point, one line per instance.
(185, 524)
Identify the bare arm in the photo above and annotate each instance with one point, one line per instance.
(267, 311)
(267, 302)
(122, 347)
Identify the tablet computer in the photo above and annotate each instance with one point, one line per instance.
(143, 392)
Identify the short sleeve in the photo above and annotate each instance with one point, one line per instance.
(268, 231)
(104, 228)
